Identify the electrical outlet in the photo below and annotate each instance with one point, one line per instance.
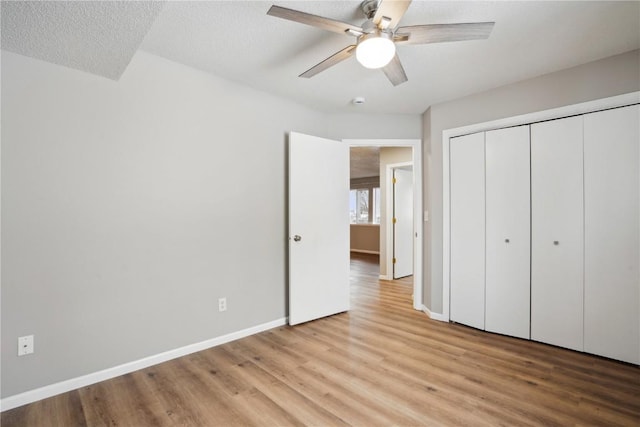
(25, 345)
(222, 304)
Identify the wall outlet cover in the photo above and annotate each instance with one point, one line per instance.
(25, 345)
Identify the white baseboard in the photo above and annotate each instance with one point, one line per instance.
(385, 277)
(95, 377)
(435, 316)
(365, 251)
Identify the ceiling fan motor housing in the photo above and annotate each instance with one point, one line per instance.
(369, 27)
(369, 7)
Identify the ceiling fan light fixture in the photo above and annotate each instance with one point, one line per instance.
(375, 50)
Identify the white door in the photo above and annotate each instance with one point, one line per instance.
(403, 223)
(557, 232)
(318, 227)
(612, 233)
(467, 230)
(508, 283)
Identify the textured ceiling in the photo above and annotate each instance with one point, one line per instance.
(237, 40)
(364, 162)
(99, 37)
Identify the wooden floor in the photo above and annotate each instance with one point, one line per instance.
(380, 364)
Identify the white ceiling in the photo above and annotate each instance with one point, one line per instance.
(238, 41)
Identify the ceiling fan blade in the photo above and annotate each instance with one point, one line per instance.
(330, 61)
(438, 33)
(394, 71)
(392, 9)
(313, 20)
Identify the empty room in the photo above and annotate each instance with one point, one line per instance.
(188, 236)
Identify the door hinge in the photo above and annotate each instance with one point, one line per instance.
(395, 180)
(395, 220)
(394, 260)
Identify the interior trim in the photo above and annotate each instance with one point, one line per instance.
(418, 174)
(524, 119)
(434, 316)
(105, 374)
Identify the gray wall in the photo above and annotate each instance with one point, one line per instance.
(130, 207)
(600, 79)
(128, 211)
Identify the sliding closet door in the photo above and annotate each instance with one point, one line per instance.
(507, 231)
(557, 232)
(612, 233)
(467, 230)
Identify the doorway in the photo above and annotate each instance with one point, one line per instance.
(386, 249)
(401, 221)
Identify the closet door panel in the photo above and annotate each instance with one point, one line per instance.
(612, 233)
(467, 230)
(557, 218)
(508, 231)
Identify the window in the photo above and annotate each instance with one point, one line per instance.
(359, 206)
(364, 205)
(376, 205)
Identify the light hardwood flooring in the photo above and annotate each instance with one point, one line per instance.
(380, 364)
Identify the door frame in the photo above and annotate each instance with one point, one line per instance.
(524, 119)
(416, 145)
(390, 226)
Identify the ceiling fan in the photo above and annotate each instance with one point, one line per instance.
(377, 37)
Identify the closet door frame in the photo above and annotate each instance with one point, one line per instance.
(556, 113)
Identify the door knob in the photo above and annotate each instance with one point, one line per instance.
(297, 238)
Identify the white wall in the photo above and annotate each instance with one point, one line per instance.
(130, 207)
(600, 79)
